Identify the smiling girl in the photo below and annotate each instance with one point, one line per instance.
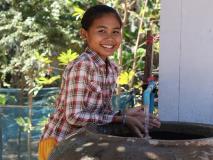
(89, 82)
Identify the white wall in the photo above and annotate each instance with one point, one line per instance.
(186, 60)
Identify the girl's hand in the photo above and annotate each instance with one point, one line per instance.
(135, 125)
(132, 111)
(138, 112)
(154, 121)
(136, 116)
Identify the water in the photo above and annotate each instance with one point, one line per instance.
(146, 124)
(166, 135)
(148, 100)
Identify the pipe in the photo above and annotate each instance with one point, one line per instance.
(148, 96)
(148, 101)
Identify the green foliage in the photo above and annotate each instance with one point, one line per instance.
(78, 12)
(2, 99)
(65, 57)
(32, 33)
(131, 29)
(41, 124)
(7, 99)
(28, 28)
(24, 124)
(46, 81)
(125, 77)
(42, 58)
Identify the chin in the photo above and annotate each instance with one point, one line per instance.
(109, 54)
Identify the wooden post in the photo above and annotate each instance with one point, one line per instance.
(30, 104)
(148, 57)
(21, 94)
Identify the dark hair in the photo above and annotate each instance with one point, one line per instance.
(96, 12)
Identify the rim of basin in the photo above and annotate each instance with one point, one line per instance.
(199, 129)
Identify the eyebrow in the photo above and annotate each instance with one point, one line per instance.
(106, 27)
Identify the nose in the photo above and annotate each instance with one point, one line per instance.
(110, 37)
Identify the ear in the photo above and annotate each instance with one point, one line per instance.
(83, 33)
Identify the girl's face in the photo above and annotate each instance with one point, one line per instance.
(104, 35)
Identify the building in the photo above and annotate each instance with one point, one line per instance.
(186, 61)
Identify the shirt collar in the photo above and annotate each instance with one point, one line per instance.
(96, 58)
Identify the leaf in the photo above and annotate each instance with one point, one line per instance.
(2, 99)
(35, 90)
(66, 57)
(141, 51)
(20, 121)
(24, 123)
(42, 58)
(40, 125)
(46, 81)
(78, 12)
(131, 75)
(125, 77)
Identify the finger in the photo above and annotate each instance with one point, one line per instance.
(150, 127)
(136, 125)
(140, 114)
(155, 123)
(154, 117)
(138, 132)
(134, 110)
(140, 126)
(139, 108)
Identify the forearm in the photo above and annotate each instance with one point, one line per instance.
(120, 118)
(117, 119)
(82, 118)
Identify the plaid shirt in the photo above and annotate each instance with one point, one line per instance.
(87, 87)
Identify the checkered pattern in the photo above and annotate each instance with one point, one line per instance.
(85, 96)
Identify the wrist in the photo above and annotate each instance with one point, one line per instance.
(124, 119)
(117, 119)
(120, 118)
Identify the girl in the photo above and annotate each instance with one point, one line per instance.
(89, 82)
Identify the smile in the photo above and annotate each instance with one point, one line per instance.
(108, 46)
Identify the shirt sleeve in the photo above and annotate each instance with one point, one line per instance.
(77, 111)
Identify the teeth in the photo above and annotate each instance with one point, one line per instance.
(108, 46)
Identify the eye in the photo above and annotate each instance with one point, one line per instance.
(101, 31)
(116, 32)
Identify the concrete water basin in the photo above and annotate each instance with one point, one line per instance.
(173, 141)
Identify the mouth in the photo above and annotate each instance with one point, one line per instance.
(107, 46)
